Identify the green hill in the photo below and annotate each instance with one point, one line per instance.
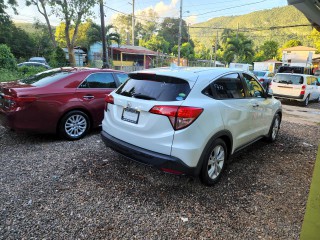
(255, 25)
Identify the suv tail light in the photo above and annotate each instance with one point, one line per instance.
(108, 99)
(180, 117)
(303, 90)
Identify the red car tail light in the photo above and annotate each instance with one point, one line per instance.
(180, 117)
(108, 99)
(303, 90)
(15, 102)
(261, 80)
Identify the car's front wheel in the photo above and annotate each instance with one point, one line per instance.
(74, 125)
(214, 160)
(274, 128)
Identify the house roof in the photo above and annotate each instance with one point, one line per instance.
(300, 48)
(133, 49)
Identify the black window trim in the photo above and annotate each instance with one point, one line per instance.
(247, 95)
(116, 80)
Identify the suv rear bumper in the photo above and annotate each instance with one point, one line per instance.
(157, 160)
(300, 97)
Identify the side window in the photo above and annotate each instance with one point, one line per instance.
(99, 80)
(253, 86)
(122, 77)
(226, 87)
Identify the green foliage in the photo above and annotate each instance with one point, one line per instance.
(239, 49)
(7, 75)
(292, 43)
(58, 58)
(169, 30)
(156, 43)
(7, 59)
(187, 51)
(261, 21)
(315, 37)
(4, 17)
(26, 71)
(21, 44)
(269, 49)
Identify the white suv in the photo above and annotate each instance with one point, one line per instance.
(189, 120)
(298, 87)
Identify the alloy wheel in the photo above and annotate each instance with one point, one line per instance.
(75, 125)
(216, 162)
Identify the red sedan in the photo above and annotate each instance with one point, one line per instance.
(67, 101)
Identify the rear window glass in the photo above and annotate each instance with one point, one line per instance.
(45, 78)
(288, 79)
(154, 87)
(259, 74)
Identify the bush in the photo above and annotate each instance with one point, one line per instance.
(26, 71)
(8, 75)
(58, 58)
(7, 60)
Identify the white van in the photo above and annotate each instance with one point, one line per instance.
(294, 86)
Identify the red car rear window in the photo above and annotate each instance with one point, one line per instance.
(45, 78)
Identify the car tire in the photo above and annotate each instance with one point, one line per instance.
(305, 102)
(214, 159)
(74, 125)
(274, 128)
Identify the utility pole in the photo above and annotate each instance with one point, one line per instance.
(179, 38)
(215, 50)
(133, 23)
(103, 34)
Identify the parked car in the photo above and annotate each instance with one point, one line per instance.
(68, 101)
(189, 120)
(38, 59)
(33, 64)
(299, 87)
(264, 77)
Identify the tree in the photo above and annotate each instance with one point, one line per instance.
(315, 37)
(42, 9)
(201, 51)
(155, 43)
(4, 17)
(72, 12)
(239, 49)
(7, 60)
(169, 30)
(123, 25)
(269, 49)
(58, 58)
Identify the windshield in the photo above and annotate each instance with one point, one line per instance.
(288, 79)
(45, 78)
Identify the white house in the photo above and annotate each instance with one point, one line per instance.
(270, 65)
(300, 56)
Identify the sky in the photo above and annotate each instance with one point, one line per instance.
(194, 11)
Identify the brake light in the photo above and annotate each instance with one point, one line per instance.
(261, 80)
(303, 90)
(179, 117)
(15, 102)
(108, 99)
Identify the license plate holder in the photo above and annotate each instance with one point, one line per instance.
(130, 115)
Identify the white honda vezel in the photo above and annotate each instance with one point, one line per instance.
(189, 120)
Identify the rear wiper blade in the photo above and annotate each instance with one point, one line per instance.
(143, 96)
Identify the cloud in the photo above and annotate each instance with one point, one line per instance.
(169, 10)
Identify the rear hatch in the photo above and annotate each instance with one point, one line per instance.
(138, 112)
(288, 84)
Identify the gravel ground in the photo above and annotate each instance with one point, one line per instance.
(55, 189)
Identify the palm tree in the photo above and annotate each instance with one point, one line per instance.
(239, 49)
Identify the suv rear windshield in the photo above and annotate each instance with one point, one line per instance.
(288, 79)
(45, 78)
(155, 87)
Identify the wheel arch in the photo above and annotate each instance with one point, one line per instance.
(226, 136)
(75, 109)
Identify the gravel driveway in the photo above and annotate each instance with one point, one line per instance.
(55, 189)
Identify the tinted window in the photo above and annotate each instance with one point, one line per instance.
(259, 73)
(45, 78)
(288, 79)
(229, 86)
(253, 86)
(99, 80)
(155, 87)
(122, 77)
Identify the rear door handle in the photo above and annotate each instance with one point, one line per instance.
(88, 97)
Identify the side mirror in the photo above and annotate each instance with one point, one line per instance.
(269, 93)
